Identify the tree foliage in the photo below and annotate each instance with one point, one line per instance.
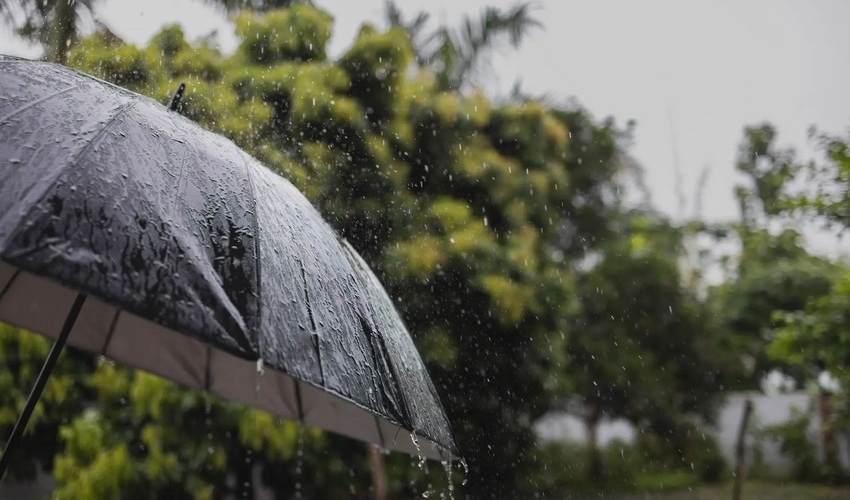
(464, 208)
(773, 272)
(53, 23)
(500, 231)
(815, 336)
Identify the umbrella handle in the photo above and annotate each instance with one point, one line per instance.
(40, 382)
(175, 99)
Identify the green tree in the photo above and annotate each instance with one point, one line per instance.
(63, 398)
(645, 347)
(52, 23)
(232, 6)
(773, 270)
(830, 195)
(815, 337)
(55, 24)
(473, 214)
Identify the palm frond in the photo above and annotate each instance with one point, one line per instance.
(478, 37)
(455, 55)
(423, 49)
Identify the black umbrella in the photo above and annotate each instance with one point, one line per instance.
(136, 234)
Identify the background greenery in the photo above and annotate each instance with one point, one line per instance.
(500, 228)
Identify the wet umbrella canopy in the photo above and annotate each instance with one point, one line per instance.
(158, 244)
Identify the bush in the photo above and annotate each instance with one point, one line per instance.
(666, 481)
(626, 468)
(798, 444)
(705, 458)
(686, 448)
(558, 467)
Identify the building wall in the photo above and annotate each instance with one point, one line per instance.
(767, 410)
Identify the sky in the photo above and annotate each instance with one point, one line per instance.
(691, 74)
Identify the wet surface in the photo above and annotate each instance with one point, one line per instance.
(109, 193)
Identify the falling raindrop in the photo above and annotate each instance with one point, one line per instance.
(299, 461)
(447, 466)
(419, 454)
(261, 370)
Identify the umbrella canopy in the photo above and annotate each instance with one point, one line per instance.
(181, 255)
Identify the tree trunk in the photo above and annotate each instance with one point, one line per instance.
(830, 442)
(740, 462)
(591, 420)
(63, 30)
(379, 472)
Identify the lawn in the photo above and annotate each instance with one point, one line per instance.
(753, 490)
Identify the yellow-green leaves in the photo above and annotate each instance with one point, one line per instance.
(272, 436)
(376, 64)
(419, 257)
(94, 466)
(123, 65)
(510, 299)
(438, 346)
(299, 33)
(149, 393)
(109, 381)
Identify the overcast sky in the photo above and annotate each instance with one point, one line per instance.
(691, 74)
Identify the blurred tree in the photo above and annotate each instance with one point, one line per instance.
(55, 24)
(52, 23)
(816, 340)
(474, 216)
(23, 355)
(815, 337)
(645, 347)
(255, 5)
(773, 271)
(830, 178)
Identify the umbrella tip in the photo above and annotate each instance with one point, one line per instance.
(175, 99)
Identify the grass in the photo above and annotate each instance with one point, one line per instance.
(753, 490)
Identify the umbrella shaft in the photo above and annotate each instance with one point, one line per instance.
(40, 382)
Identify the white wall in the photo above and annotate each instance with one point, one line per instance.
(767, 410)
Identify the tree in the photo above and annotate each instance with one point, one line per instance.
(63, 398)
(52, 23)
(471, 213)
(773, 271)
(830, 197)
(814, 338)
(645, 347)
(55, 24)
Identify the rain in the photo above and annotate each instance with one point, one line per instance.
(291, 249)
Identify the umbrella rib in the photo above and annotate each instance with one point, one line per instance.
(298, 400)
(36, 103)
(208, 369)
(9, 283)
(256, 226)
(111, 331)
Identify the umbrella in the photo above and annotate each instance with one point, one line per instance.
(129, 231)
